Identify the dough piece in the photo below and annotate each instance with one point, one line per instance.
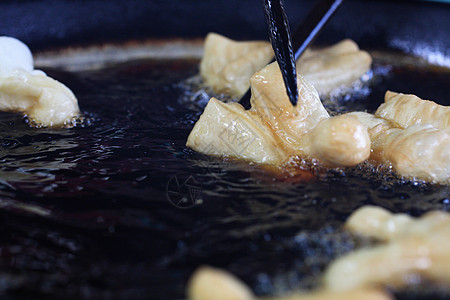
(378, 130)
(227, 65)
(268, 133)
(419, 152)
(332, 67)
(213, 284)
(376, 222)
(14, 54)
(227, 129)
(44, 100)
(406, 110)
(415, 247)
(357, 294)
(271, 103)
(369, 120)
(343, 139)
(274, 130)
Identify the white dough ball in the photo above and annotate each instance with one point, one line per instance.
(15, 54)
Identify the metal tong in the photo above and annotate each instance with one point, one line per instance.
(288, 50)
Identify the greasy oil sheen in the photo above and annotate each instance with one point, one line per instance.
(119, 207)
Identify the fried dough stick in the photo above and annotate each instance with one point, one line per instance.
(413, 246)
(406, 110)
(44, 100)
(213, 284)
(227, 65)
(411, 134)
(273, 130)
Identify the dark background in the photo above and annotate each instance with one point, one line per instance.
(45, 24)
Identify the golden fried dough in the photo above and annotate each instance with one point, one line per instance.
(227, 65)
(42, 99)
(413, 247)
(273, 130)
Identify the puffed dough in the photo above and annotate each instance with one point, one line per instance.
(406, 110)
(42, 99)
(227, 65)
(342, 139)
(378, 223)
(273, 130)
(271, 103)
(335, 66)
(414, 247)
(227, 129)
(209, 283)
(357, 294)
(419, 152)
(214, 284)
(268, 133)
(14, 54)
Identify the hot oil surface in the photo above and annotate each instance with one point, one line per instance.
(122, 208)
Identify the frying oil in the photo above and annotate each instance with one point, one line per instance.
(115, 192)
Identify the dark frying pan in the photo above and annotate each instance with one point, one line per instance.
(96, 211)
(403, 25)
